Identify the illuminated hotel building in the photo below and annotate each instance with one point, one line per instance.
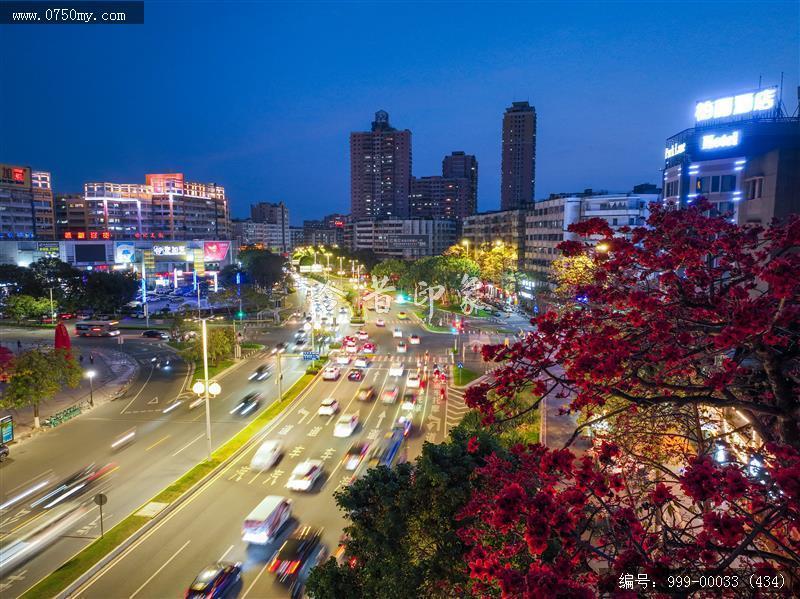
(164, 207)
(742, 154)
(26, 203)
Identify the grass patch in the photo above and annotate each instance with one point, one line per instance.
(252, 346)
(58, 580)
(464, 376)
(213, 369)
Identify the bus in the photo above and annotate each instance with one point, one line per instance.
(97, 328)
(264, 523)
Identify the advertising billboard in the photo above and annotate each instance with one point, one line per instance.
(215, 251)
(124, 252)
(171, 250)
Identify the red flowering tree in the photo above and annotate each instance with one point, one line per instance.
(542, 523)
(692, 310)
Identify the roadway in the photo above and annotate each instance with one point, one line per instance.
(207, 527)
(167, 444)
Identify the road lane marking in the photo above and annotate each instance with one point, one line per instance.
(157, 442)
(135, 397)
(197, 438)
(255, 580)
(227, 551)
(164, 565)
(116, 561)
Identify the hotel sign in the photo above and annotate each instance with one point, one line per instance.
(759, 103)
(169, 250)
(674, 150)
(716, 142)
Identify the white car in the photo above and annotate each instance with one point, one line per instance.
(345, 426)
(331, 373)
(397, 334)
(413, 380)
(396, 369)
(402, 348)
(304, 475)
(266, 455)
(343, 359)
(414, 340)
(351, 348)
(361, 363)
(380, 322)
(328, 407)
(362, 335)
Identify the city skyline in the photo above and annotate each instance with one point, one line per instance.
(292, 145)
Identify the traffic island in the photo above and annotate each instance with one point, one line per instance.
(71, 575)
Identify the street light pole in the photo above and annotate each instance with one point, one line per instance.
(52, 310)
(205, 380)
(90, 375)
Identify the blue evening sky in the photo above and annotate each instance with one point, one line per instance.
(261, 96)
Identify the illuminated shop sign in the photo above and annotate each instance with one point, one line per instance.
(715, 142)
(168, 249)
(148, 235)
(674, 150)
(15, 175)
(756, 103)
(84, 235)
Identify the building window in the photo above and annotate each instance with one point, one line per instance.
(702, 184)
(753, 188)
(728, 183)
(715, 184)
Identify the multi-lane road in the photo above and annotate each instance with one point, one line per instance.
(208, 526)
(166, 445)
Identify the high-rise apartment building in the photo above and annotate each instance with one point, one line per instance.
(26, 203)
(165, 207)
(459, 165)
(439, 197)
(518, 175)
(273, 214)
(380, 170)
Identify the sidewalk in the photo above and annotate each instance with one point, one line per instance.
(115, 371)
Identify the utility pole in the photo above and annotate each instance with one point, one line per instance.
(205, 380)
(52, 310)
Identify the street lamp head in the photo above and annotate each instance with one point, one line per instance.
(214, 388)
(90, 374)
(198, 388)
(603, 246)
(465, 242)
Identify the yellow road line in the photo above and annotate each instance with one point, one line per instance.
(157, 442)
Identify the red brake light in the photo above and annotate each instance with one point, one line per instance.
(274, 565)
(293, 567)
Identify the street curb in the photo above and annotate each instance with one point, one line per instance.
(76, 585)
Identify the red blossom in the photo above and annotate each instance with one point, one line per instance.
(473, 445)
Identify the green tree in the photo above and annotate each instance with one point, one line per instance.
(220, 346)
(65, 280)
(20, 307)
(19, 280)
(108, 291)
(402, 530)
(393, 269)
(36, 376)
(263, 268)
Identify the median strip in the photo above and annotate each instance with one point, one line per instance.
(129, 528)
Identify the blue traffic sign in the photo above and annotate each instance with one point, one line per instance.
(460, 364)
(311, 355)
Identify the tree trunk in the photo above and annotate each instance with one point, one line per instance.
(36, 415)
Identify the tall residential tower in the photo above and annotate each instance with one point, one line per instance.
(518, 156)
(380, 170)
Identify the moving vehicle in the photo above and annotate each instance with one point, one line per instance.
(361, 363)
(409, 401)
(366, 393)
(260, 373)
(328, 407)
(304, 475)
(343, 359)
(345, 426)
(248, 403)
(263, 524)
(266, 455)
(380, 322)
(153, 334)
(396, 369)
(386, 451)
(389, 395)
(402, 315)
(414, 340)
(354, 455)
(402, 348)
(403, 424)
(369, 348)
(97, 328)
(413, 380)
(297, 550)
(397, 333)
(215, 580)
(355, 375)
(331, 373)
(362, 335)
(72, 486)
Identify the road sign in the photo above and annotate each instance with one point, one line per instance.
(460, 364)
(100, 499)
(6, 429)
(311, 355)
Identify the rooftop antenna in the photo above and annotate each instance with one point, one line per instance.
(780, 97)
(759, 82)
